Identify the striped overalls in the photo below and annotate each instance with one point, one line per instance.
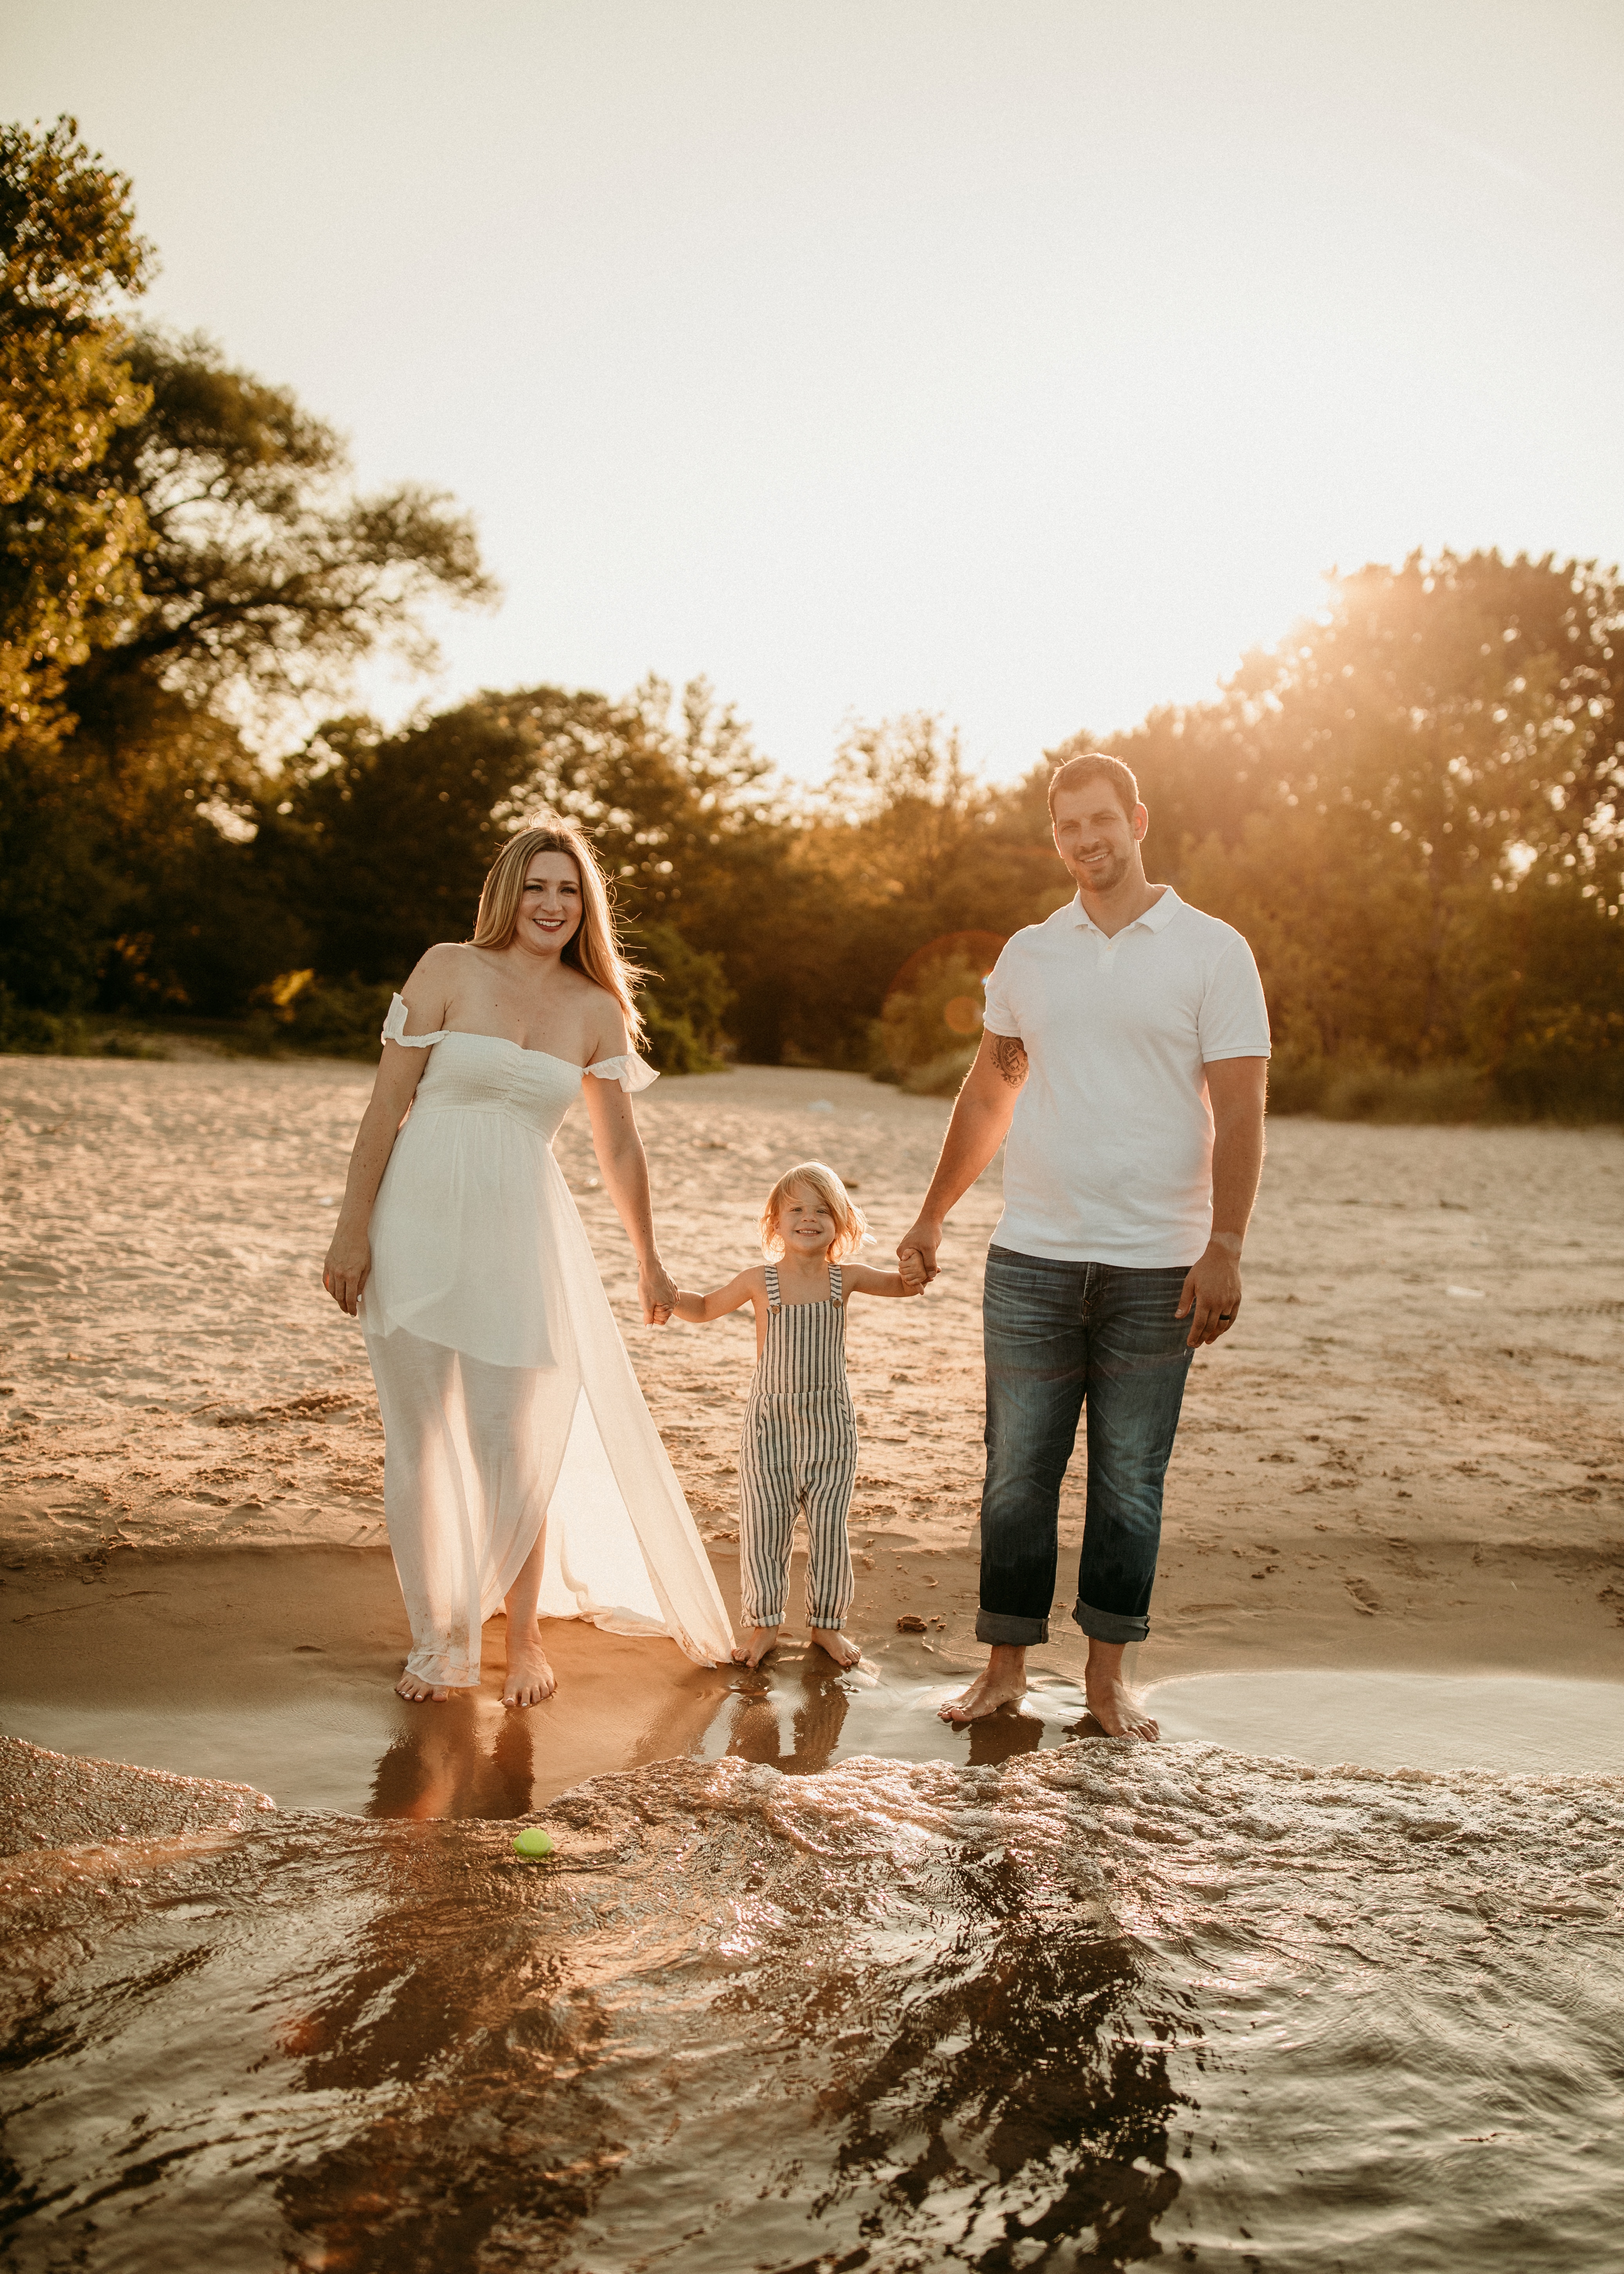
(800, 1450)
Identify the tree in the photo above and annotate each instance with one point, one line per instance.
(265, 578)
(903, 848)
(381, 842)
(69, 257)
(1374, 801)
(259, 582)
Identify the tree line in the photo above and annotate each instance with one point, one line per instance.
(1411, 806)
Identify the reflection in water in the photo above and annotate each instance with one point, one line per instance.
(463, 2035)
(798, 1716)
(458, 1758)
(976, 2031)
(817, 1715)
(1096, 2005)
(1015, 2065)
(1003, 1738)
(467, 1757)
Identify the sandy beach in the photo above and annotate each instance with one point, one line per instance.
(1408, 1451)
(1357, 2004)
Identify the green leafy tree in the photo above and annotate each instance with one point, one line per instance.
(69, 259)
(382, 842)
(389, 837)
(685, 1000)
(260, 580)
(902, 847)
(266, 579)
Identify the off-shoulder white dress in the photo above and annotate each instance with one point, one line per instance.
(510, 1409)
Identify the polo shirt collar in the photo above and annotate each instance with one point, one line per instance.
(1155, 917)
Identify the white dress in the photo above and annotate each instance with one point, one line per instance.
(510, 1409)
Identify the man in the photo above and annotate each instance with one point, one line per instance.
(1124, 1056)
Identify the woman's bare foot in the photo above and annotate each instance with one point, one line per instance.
(529, 1677)
(755, 1645)
(1111, 1701)
(1002, 1681)
(843, 1652)
(419, 1693)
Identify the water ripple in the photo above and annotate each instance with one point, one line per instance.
(1082, 2010)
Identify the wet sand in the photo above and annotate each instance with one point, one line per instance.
(1408, 1453)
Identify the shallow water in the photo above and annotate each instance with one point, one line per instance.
(1522, 1724)
(316, 1734)
(328, 1742)
(1091, 2007)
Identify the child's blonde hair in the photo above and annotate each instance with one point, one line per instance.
(851, 1224)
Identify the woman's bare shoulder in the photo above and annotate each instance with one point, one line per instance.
(446, 957)
(605, 1020)
(433, 981)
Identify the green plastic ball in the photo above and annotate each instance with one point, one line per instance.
(532, 1842)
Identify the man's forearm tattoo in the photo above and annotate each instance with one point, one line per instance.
(1009, 1055)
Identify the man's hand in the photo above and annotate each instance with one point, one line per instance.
(1212, 1291)
(916, 1253)
(981, 1119)
(656, 1290)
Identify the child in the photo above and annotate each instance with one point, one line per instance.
(799, 1448)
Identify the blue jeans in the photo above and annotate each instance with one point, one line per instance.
(1060, 1336)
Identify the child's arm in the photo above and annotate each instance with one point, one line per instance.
(861, 1280)
(699, 1310)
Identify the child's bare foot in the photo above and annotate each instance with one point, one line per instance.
(843, 1652)
(419, 1693)
(529, 1677)
(1002, 1681)
(755, 1645)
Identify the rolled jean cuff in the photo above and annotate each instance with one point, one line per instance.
(1004, 1627)
(1109, 1626)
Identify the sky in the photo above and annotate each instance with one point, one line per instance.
(1026, 361)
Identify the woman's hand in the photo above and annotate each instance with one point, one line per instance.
(348, 1269)
(658, 1291)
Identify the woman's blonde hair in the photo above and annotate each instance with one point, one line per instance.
(594, 948)
(851, 1224)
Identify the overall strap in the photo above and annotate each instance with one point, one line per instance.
(834, 1282)
(775, 1301)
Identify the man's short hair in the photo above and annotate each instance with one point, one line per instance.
(1094, 765)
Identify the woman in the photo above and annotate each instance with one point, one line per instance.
(520, 1462)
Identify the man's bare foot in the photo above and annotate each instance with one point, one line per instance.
(755, 1645)
(419, 1693)
(1002, 1682)
(843, 1652)
(1115, 1709)
(529, 1677)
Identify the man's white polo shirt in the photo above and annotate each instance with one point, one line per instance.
(1109, 1156)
